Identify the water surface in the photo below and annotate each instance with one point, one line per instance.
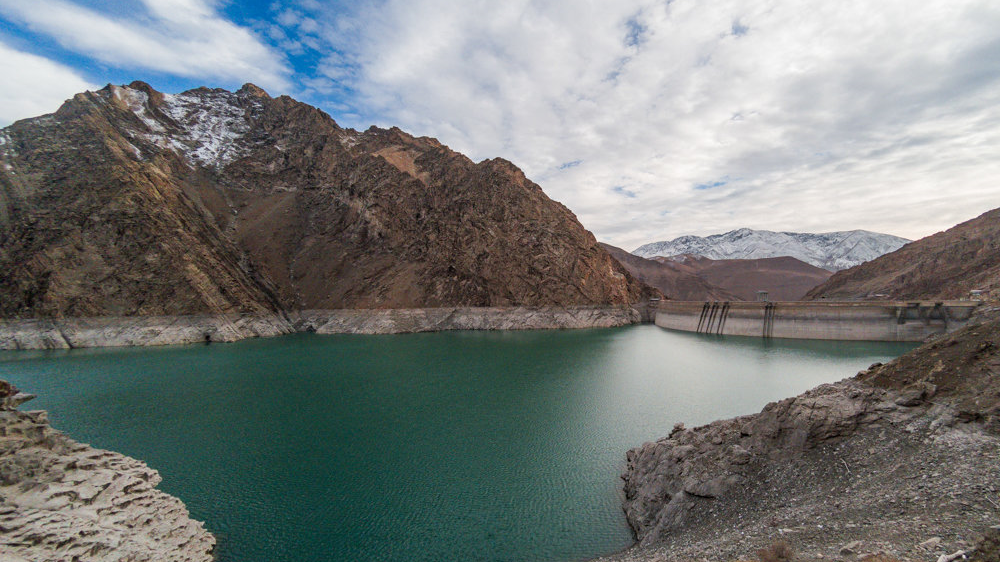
(452, 446)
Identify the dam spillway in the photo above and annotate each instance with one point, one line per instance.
(868, 321)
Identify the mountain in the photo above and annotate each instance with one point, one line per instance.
(695, 278)
(674, 280)
(946, 265)
(784, 278)
(831, 250)
(128, 201)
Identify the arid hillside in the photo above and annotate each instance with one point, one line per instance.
(676, 281)
(946, 265)
(784, 278)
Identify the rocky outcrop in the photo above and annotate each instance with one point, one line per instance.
(68, 333)
(901, 453)
(946, 265)
(61, 500)
(131, 202)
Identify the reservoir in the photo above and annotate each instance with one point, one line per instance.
(449, 446)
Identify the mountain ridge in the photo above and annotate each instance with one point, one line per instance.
(829, 250)
(945, 265)
(128, 201)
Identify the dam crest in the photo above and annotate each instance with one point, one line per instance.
(868, 321)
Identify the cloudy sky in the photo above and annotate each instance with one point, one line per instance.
(649, 119)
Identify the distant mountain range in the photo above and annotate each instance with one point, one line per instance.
(832, 251)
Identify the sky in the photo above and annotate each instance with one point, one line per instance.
(648, 119)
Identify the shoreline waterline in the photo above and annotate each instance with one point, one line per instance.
(131, 331)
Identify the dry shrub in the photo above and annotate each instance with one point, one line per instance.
(780, 551)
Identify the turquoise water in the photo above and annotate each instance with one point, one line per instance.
(449, 446)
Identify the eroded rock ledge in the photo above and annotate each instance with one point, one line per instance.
(62, 500)
(900, 460)
(64, 333)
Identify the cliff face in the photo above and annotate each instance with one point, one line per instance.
(128, 201)
(946, 265)
(902, 453)
(61, 500)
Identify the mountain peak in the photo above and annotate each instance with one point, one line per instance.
(253, 90)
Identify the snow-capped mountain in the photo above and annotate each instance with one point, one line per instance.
(830, 250)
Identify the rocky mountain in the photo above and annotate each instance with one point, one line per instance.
(673, 279)
(784, 278)
(946, 265)
(830, 250)
(128, 201)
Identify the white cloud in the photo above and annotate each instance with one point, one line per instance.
(792, 115)
(180, 37)
(33, 85)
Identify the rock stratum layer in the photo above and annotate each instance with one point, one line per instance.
(946, 265)
(61, 500)
(900, 460)
(131, 202)
(104, 331)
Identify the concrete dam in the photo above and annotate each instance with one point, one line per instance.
(870, 321)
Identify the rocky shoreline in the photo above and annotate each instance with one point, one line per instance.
(899, 462)
(62, 500)
(107, 331)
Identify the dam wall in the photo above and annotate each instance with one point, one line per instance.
(883, 321)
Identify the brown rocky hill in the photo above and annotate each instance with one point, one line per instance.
(128, 201)
(784, 278)
(675, 280)
(946, 265)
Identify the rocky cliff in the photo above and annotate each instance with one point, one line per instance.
(946, 265)
(899, 460)
(128, 201)
(61, 500)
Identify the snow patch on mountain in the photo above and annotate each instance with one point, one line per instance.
(829, 250)
(206, 128)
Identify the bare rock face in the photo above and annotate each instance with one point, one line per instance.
(131, 202)
(62, 500)
(946, 265)
(901, 453)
